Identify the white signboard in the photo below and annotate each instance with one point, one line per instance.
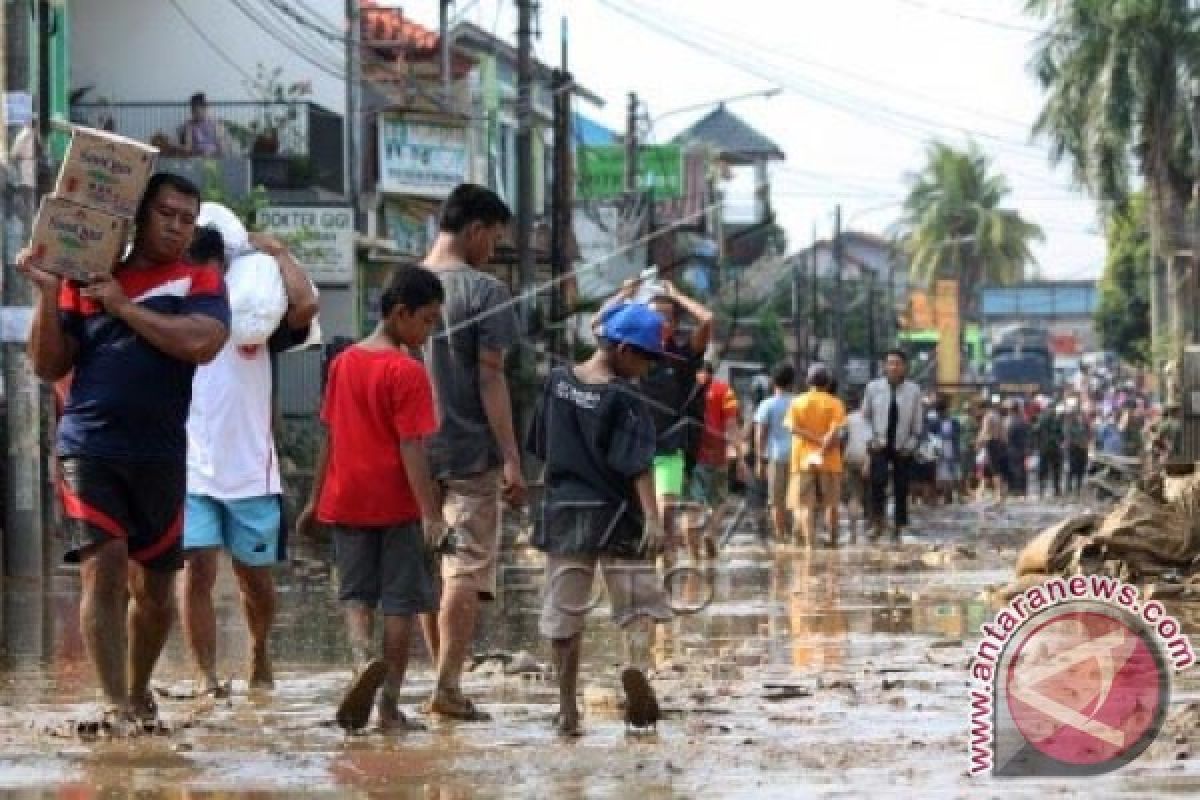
(421, 158)
(603, 264)
(321, 238)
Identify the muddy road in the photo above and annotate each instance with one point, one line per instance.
(825, 672)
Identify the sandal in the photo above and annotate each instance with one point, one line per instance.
(355, 708)
(641, 705)
(454, 704)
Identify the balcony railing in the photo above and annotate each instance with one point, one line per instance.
(306, 136)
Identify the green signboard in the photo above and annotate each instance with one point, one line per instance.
(601, 170)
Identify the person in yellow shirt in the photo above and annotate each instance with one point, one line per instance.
(816, 419)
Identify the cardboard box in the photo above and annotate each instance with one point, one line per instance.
(105, 171)
(75, 241)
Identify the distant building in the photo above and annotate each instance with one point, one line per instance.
(1064, 308)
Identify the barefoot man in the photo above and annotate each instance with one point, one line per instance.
(133, 341)
(235, 499)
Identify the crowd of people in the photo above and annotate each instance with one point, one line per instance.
(167, 459)
(815, 455)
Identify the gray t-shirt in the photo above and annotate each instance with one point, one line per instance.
(478, 315)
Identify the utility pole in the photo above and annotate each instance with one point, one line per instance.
(798, 331)
(839, 317)
(560, 222)
(631, 144)
(812, 332)
(25, 553)
(444, 50)
(525, 264)
(872, 345)
(353, 110)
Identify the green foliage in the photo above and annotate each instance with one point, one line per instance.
(247, 207)
(1123, 313)
(954, 226)
(1116, 75)
(769, 345)
(280, 104)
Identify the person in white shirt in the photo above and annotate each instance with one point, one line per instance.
(234, 494)
(857, 459)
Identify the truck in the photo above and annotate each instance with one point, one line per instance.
(1022, 361)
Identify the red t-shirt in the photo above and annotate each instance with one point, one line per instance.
(374, 400)
(720, 408)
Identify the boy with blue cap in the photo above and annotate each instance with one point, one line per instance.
(596, 437)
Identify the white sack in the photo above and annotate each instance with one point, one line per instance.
(257, 298)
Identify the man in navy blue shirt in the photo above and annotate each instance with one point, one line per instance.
(131, 342)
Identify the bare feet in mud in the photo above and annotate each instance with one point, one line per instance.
(262, 677)
(567, 723)
(392, 719)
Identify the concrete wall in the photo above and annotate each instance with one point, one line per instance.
(144, 50)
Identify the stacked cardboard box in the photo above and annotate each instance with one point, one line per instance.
(81, 229)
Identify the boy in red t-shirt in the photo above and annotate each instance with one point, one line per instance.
(373, 489)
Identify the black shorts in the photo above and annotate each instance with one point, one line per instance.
(385, 568)
(138, 501)
(997, 461)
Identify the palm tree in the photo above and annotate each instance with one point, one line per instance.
(1116, 75)
(953, 225)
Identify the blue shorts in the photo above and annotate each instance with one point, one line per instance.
(251, 528)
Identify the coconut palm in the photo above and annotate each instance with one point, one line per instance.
(953, 225)
(1117, 76)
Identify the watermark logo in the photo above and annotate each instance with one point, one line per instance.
(1072, 678)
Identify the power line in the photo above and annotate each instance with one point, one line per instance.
(870, 81)
(991, 23)
(247, 12)
(199, 31)
(315, 42)
(902, 122)
(855, 106)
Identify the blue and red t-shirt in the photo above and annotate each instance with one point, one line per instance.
(129, 400)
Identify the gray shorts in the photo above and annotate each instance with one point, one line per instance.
(635, 589)
(385, 568)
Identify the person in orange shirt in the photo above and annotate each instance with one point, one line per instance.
(816, 419)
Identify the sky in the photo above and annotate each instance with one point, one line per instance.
(867, 84)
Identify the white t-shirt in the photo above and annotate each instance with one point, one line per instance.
(231, 449)
(858, 436)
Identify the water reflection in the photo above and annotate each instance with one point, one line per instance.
(810, 613)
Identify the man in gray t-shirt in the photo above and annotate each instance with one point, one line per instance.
(477, 317)
(474, 455)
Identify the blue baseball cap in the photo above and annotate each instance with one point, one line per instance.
(636, 325)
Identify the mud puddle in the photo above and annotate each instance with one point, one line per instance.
(824, 672)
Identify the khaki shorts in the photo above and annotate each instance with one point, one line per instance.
(814, 489)
(635, 589)
(472, 508)
(778, 473)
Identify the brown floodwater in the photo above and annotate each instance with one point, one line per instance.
(824, 672)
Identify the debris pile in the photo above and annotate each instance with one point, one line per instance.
(1151, 538)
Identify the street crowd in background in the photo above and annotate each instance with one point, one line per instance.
(816, 454)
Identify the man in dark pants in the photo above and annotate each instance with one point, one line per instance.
(892, 407)
(1048, 436)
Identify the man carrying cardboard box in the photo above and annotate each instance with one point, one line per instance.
(132, 341)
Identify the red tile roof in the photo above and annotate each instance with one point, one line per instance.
(396, 37)
(382, 24)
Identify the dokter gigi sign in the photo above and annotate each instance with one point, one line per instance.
(1072, 678)
(320, 237)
